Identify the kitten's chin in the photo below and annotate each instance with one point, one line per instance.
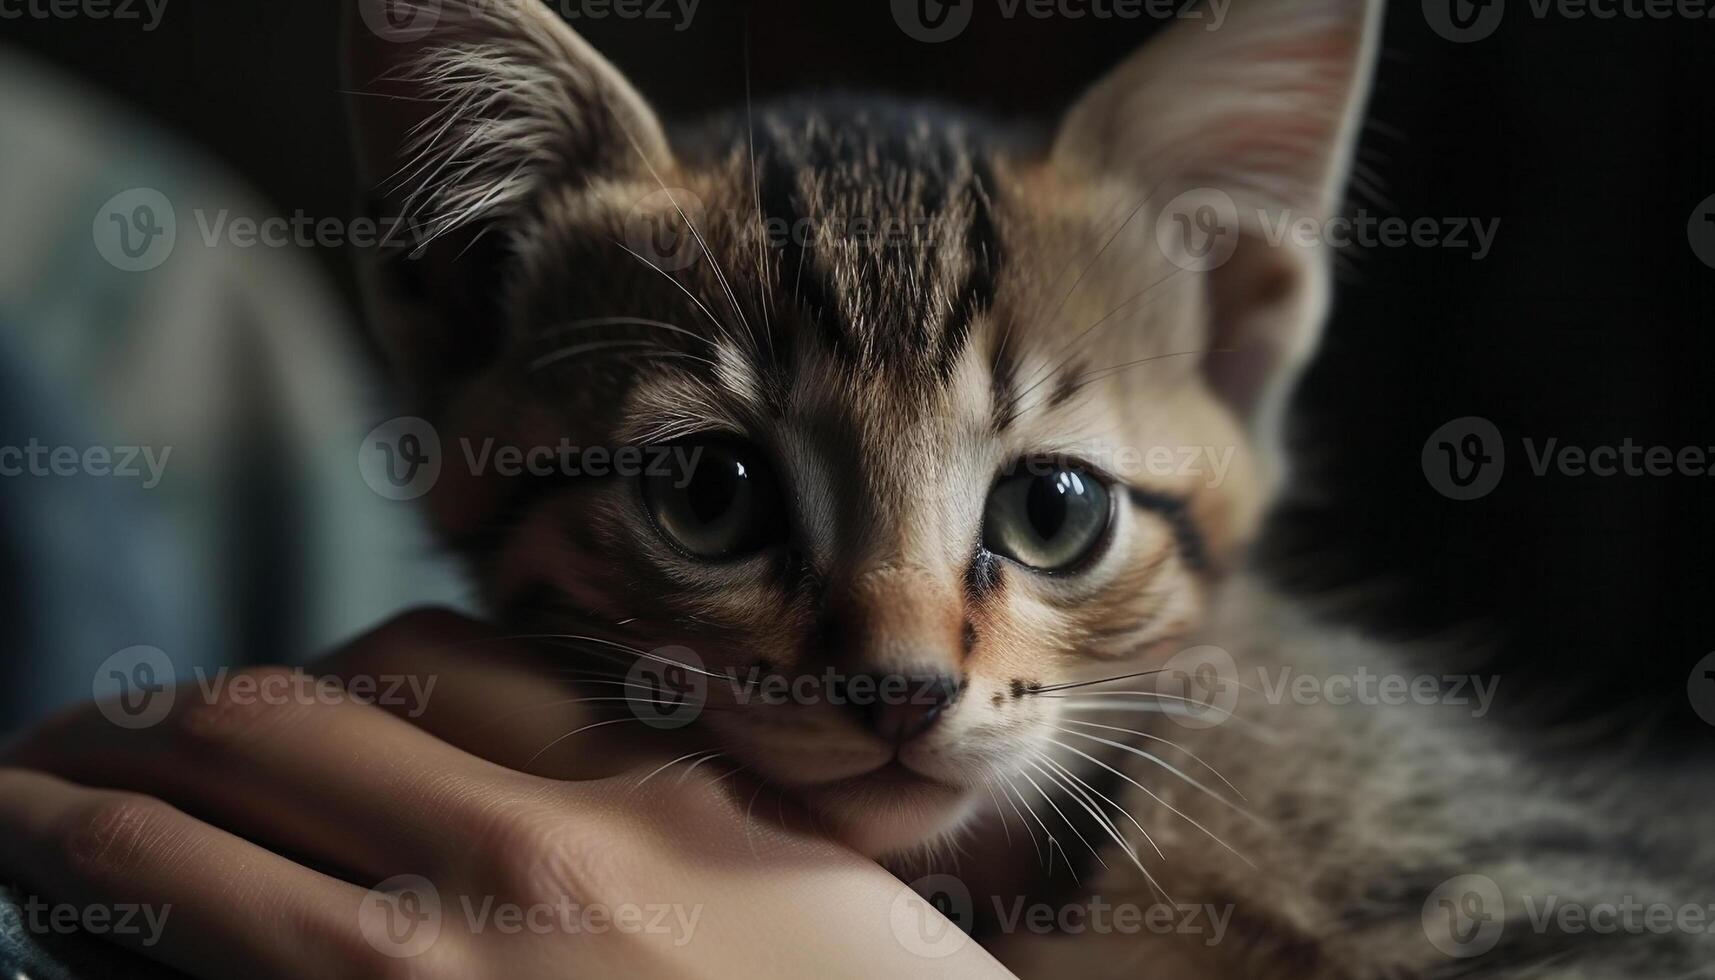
(891, 814)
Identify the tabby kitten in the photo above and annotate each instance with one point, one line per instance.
(922, 363)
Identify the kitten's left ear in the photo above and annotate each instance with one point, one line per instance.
(1264, 109)
(463, 112)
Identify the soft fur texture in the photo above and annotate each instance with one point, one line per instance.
(1028, 309)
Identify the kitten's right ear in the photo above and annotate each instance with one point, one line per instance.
(462, 113)
(1259, 112)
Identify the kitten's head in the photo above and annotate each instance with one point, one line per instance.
(954, 418)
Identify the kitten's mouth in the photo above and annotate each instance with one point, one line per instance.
(890, 773)
(889, 808)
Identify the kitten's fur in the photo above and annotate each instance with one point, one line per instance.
(1033, 312)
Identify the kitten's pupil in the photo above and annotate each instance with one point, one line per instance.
(1049, 521)
(717, 500)
(715, 487)
(1046, 504)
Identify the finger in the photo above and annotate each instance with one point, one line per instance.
(150, 877)
(338, 782)
(505, 698)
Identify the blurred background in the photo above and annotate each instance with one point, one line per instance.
(1589, 140)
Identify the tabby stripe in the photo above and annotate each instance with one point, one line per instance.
(1176, 511)
(982, 244)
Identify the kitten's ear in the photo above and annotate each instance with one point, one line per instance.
(1247, 123)
(463, 112)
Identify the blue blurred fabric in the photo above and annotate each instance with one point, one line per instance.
(261, 542)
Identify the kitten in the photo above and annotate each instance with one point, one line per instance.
(913, 365)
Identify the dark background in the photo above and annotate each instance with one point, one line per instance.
(1590, 140)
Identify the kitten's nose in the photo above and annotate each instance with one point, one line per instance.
(899, 707)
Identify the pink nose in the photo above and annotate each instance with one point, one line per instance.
(900, 707)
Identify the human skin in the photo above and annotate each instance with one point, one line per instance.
(264, 821)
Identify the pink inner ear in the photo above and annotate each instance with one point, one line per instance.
(1253, 301)
(1263, 105)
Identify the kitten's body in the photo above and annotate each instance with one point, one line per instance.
(1029, 307)
(1363, 812)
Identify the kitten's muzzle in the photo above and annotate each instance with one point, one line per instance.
(899, 707)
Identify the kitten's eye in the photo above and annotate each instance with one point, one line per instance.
(716, 500)
(1047, 520)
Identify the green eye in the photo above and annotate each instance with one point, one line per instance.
(1047, 519)
(716, 500)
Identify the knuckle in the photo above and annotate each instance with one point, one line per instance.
(703, 799)
(104, 842)
(348, 953)
(543, 853)
(249, 703)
